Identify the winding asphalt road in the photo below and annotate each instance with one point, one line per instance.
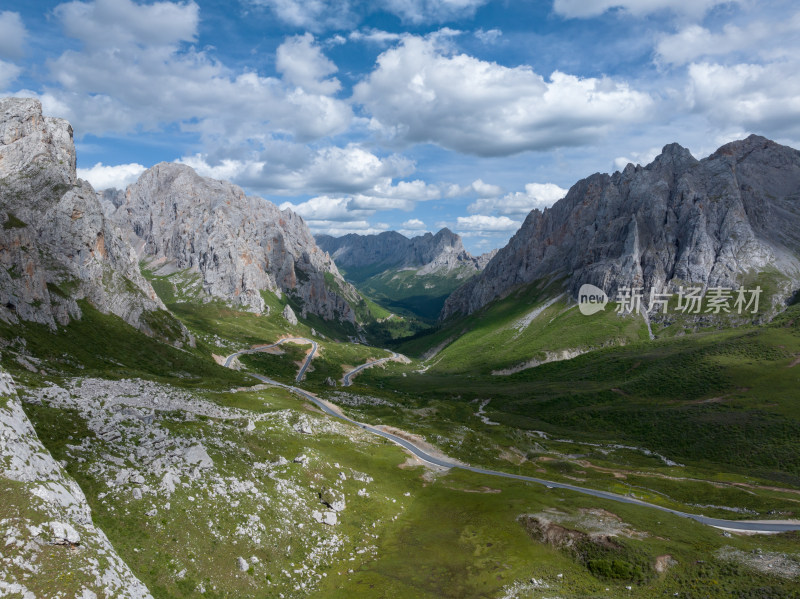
(734, 525)
(300, 375)
(346, 382)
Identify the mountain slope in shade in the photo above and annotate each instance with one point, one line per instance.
(677, 220)
(241, 245)
(56, 246)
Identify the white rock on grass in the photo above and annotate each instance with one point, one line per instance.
(54, 497)
(329, 518)
(64, 534)
(304, 427)
(242, 564)
(289, 314)
(197, 455)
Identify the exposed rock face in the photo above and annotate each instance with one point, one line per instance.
(678, 220)
(110, 200)
(46, 509)
(430, 253)
(56, 246)
(289, 314)
(240, 245)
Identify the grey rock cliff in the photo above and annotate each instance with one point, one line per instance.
(241, 245)
(48, 514)
(678, 220)
(430, 253)
(56, 246)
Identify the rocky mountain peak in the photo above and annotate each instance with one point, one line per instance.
(34, 145)
(241, 245)
(56, 246)
(677, 220)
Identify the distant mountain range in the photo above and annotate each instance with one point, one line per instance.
(726, 220)
(428, 253)
(729, 219)
(409, 275)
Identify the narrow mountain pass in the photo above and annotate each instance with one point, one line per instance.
(765, 527)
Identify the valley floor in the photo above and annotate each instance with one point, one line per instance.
(208, 486)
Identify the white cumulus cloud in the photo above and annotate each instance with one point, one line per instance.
(536, 195)
(134, 69)
(375, 36)
(325, 208)
(420, 93)
(485, 223)
(413, 224)
(322, 15)
(594, 8)
(8, 73)
(106, 176)
(303, 64)
(293, 168)
(313, 15)
(755, 97)
(432, 11)
(768, 39)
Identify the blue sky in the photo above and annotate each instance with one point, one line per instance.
(403, 114)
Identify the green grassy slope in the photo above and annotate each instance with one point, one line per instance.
(104, 345)
(723, 403)
(407, 293)
(717, 398)
(504, 334)
(411, 535)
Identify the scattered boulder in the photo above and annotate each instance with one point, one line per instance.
(168, 483)
(242, 564)
(330, 382)
(332, 498)
(329, 518)
(289, 315)
(303, 427)
(664, 563)
(64, 534)
(197, 455)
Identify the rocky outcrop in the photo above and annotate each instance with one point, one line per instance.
(56, 246)
(429, 253)
(241, 245)
(289, 315)
(45, 512)
(677, 220)
(110, 200)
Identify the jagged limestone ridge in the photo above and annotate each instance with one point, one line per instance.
(56, 246)
(241, 245)
(675, 221)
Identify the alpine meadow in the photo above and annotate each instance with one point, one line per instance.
(399, 299)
